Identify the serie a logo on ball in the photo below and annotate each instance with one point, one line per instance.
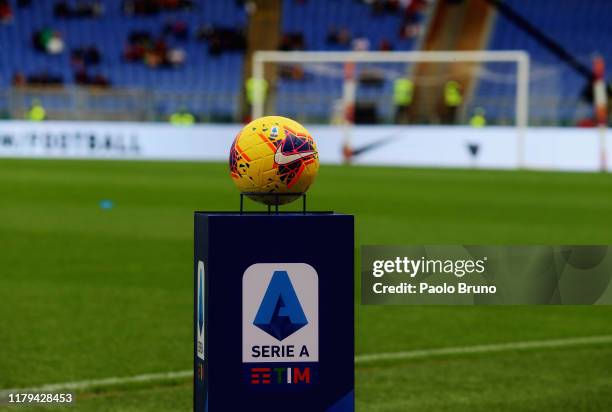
(273, 154)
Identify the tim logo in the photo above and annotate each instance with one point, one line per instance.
(280, 314)
(279, 376)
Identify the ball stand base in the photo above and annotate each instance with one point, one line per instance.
(274, 200)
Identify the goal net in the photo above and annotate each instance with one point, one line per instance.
(421, 88)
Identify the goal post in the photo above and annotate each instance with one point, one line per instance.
(520, 58)
(600, 102)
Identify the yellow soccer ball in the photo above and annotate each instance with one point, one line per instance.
(273, 154)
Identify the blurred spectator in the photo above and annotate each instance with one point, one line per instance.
(332, 36)
(250, 6)
(173, 5)
(37, 112)
(256, 90)
(204, 33)
(182, 117)
(6, 13)
(340, 37)
(100, 80)
(222, 39)
(412, 22)
(453, 97)
(152, 59)
(344, 37)
(411, 31)
(82, 78)
(134, 52)
(138, 43)
(82, 9)
(385, 45)
(150, 7)
(142, 37)
(478, 118)
(85, 56)
(19, 80)
(292, 41)
(153, 53)
(45, 79)
(24, 3)
(154, 56)
(380, 7)
(291, 72)
(37, 79)
(403, 90)
(61, 9)
(176, 57)
(370, 77)
(142, 7)
(285, 43)
(361, 43)
(392, 6)
(88, 9)
(48, 41)
(587, 122)
(177, 29)
(214, 46)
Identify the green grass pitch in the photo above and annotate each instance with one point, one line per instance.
(90, 293)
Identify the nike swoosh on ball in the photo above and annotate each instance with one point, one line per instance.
(283, 159)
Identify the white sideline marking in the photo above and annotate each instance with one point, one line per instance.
(494, 347)
(94, 383)
(361, 359)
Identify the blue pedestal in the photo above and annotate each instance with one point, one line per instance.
(274, 312)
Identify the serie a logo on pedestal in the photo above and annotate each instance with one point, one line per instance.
(280, 324)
